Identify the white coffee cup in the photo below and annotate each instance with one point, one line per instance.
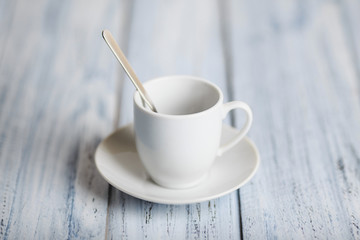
(179, 144)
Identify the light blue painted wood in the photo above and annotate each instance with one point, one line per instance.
(294, 65)
(170, 39)
(349, 12)
(56, 105)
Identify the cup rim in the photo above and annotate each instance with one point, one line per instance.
(163, 115)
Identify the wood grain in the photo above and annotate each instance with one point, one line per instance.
(306, 119)
(61, 92)
(181, 38)
(56, 97)
(349, 17)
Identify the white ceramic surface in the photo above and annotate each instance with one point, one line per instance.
(179, 144)
(118, 162)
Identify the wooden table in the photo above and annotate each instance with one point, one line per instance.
(297, 64)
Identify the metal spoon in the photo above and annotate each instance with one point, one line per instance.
(109, 39)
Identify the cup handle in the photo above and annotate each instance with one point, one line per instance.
(227, 107)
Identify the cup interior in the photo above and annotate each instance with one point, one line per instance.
(180, 95)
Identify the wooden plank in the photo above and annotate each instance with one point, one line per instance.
(292, 64)
(350, 18)
(174, 38)
(56, 105)
(7, 13)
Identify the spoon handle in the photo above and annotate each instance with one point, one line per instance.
(109, 39)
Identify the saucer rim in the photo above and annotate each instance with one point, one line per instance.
(180, 201)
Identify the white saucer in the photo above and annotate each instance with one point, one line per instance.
(118, 162)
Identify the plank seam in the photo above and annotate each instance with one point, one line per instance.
(124, 41)
(224, 23)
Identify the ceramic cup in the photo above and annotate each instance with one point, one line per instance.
(178, 145)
